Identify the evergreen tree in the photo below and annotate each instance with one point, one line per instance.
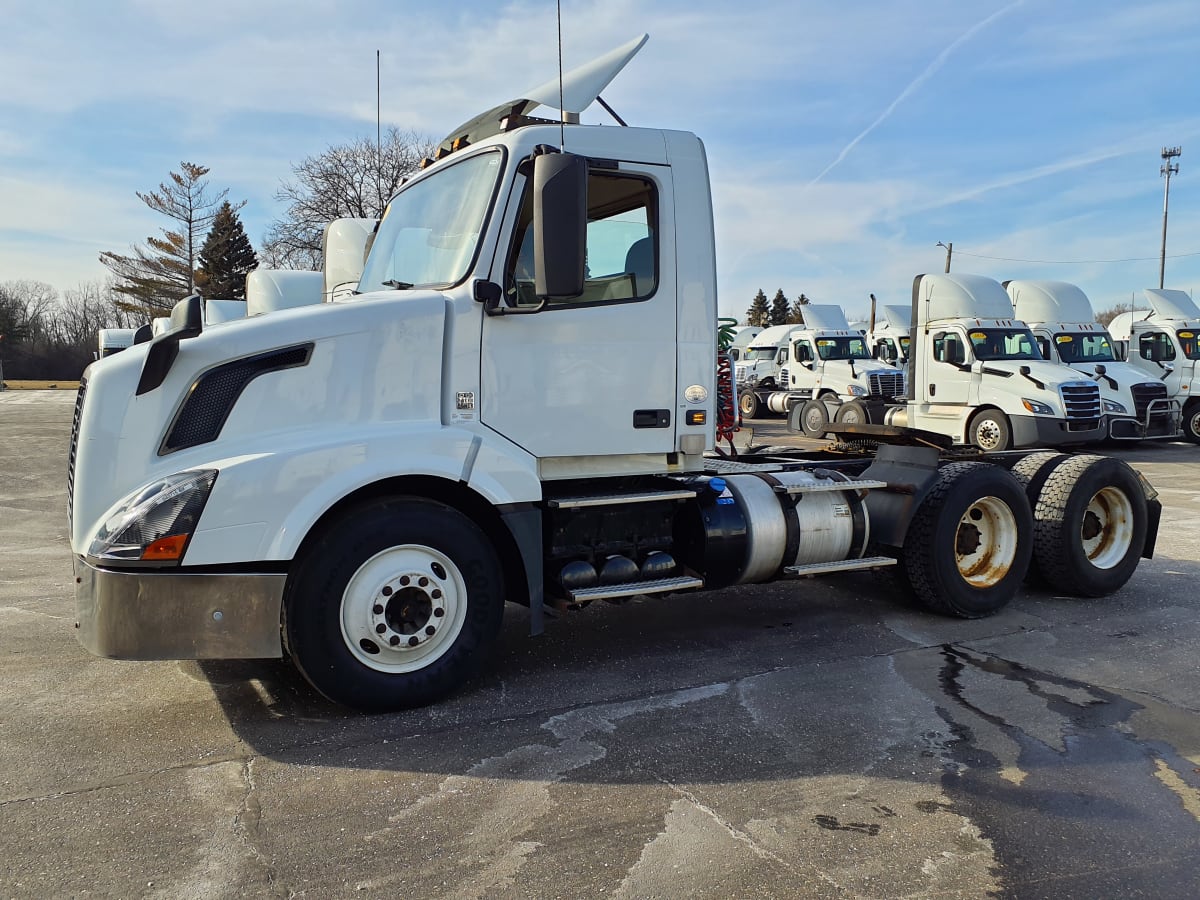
(759, 312)
(796, 316)
(226, 257)
(780, 308)
(163, 272)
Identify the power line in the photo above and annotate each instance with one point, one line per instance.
(1072, 262)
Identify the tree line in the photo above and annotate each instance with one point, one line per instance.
(202, 249)
(778, 311)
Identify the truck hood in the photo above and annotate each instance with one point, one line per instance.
(1052, 375)
(1125, 376)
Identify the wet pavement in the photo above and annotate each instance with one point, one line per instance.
(811, 739)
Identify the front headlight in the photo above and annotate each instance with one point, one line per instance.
(856, 390)
(1114, 407)
(1033, 406)
(154, 523)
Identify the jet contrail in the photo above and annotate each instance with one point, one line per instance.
(930, 69)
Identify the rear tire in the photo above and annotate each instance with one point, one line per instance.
(394, 605)
(1090, 525)
(852, 412)
(748, 405)
(814, 418)
(969, 543)
(1032, 471)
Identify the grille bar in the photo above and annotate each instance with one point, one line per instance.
(885, 384)
(74, 447)
(1081, 400)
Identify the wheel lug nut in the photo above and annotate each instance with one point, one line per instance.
(439, 612)
(404, 581)
(377, 609)
(424, 581)
(430, 630)
(413, 641)
(380, 628)
(394, 640)
(387, 591)
(436, 595)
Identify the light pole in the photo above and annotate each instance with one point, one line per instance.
(949, 252)
(1168, 169)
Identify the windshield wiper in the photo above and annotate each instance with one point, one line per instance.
(398, 285)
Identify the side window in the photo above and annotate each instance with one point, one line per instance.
(622, 256)
(1156, 347)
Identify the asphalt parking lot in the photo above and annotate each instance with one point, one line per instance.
(810, 739)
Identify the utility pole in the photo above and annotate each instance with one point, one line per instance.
(1168, 169)
(949, 252)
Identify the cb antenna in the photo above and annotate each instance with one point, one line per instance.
(562, 113)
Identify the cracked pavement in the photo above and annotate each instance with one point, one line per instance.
(811, 739)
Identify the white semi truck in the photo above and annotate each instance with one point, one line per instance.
(978, 377)
(113, 340)
(888, 336)
(1163, 343)
(1138, 406)
(305, 482)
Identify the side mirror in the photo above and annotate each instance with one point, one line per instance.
(782, 356)
(344, 247)
(559, 224)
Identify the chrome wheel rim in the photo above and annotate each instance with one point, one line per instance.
(988, 435)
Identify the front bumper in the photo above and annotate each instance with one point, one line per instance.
(1043, 431)
(176, 615)
(1162, 421)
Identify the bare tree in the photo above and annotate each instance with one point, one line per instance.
(1107, 315)
(164, 270)
(354, 180)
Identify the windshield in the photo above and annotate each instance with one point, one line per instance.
(760, 353)
(1188, 342)
(842, 348)
(430, 231)
(1003, 343)
(1081, 347)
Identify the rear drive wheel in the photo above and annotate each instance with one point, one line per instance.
(1191, 422)
(748, 405)
(970, 541)
(990, 431)
(1032, 471)
(814, 418)
(394, 604)
(1090, 525)
(852, 412)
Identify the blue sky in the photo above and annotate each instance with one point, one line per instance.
(845, 140)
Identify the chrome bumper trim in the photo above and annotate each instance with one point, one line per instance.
(158, 615)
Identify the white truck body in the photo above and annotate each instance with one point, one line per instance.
(218, 311)
(113, 340)
(1162, 344)
(1060, 315)
(308, 480)
(889, 339)
(977, 375)
(272, 290)
(743, 335)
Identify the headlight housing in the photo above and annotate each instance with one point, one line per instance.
(1040, 409)
(154, 523)
(856, 390)
(1113, 406)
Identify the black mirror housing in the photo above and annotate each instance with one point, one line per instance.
(559, 224)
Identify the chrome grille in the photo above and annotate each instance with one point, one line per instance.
(1081, 399)
(886, 384)
(73, 446)
(1143, 394)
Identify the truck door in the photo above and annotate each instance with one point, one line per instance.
(594, 374)
(949, 377)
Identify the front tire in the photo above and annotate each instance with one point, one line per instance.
(394, 605)
(748, 405)
(990, 431)
(1191, 422)
(970, 541)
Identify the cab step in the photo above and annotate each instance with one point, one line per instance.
(633, 588)
(844, 565)
(615, 499)
(827, 486)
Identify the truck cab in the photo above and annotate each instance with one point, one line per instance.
(1163, 344)
(979, 377)
(1060, 316)
(888, 339)
(113, 340)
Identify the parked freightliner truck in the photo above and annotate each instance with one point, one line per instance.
(306, 482)
(1060, 316)
(1164, 343)
(978, 378)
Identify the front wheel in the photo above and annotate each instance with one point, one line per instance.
(990, 431)
(394, 605)
(1191, 422)
(748, 404)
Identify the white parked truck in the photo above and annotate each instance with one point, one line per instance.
(978, 377)
(113, 340)
(743, 335)
(888, 338)
(306, 482)
(832, 376)
(1060, 316)
(1163, 343)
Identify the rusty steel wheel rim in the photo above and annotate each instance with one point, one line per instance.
(985, 542)
(1107, 528)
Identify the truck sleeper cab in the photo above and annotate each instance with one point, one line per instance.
(307, 481)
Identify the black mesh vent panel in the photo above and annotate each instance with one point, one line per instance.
(213, 395)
